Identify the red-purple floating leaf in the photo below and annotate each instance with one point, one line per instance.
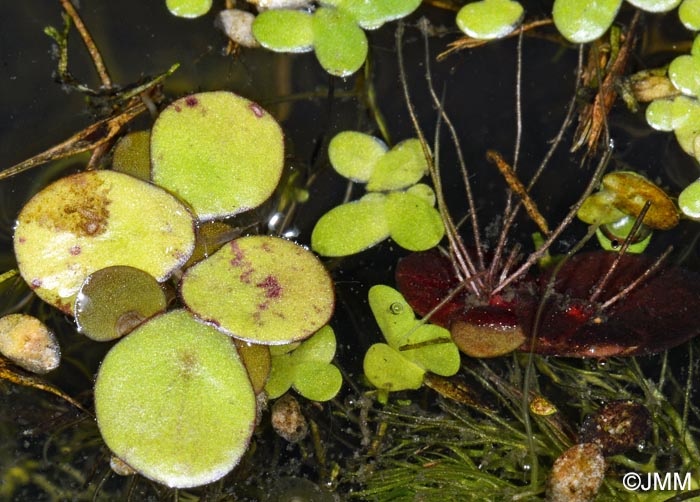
(661, 312)
(425, 279)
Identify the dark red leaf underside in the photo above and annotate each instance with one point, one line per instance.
(662, 312)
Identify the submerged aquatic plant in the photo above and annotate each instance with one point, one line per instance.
(179, 399)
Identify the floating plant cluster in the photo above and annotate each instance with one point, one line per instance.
(395, 206)
(208, 323)
(175, 400)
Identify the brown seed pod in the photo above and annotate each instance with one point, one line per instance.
(616, 427)
(577, 474)
(28, 343)
(288, 420)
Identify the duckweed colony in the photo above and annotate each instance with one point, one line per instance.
(338, 249)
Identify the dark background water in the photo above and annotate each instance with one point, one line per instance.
(138, 39)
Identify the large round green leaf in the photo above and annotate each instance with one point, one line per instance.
(582, 21)
(341, 45)
(174, 401)
(351, 228)
(217, 151)
(489, 19)
(283, 30)
(261, 289)
(96, 219)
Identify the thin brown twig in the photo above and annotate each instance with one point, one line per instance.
(468, 42)
(90, 138)
(14, 376)
(516, 185)
(593, 118)
(598, 288)
(538, 253)
(89, 43)
(638, 280)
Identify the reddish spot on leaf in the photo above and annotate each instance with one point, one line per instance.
(259, 112)
(238, 255)
(75, 250)
(191, 101)
(245, 276)
(178, 108)
(36, 283)
(271, 286)
(22, 240)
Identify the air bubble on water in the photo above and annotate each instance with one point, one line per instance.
(396, 308)
(291, 233)
(274, 220)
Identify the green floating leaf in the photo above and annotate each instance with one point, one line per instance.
(318, 381)
(217, 151)
(695, 49)
(27, 342)
(371, 14)
(387, 369)
(393, 314)
(282, 30)
(611, 236)
(114, 300)
(684, 72)
(188, 8)
(132, 155)
(688, 133)
(351, 228)
(668, 115)
(427, 346)
(174, 401)
(582, 21)
(93, 220)
(424, 192)
(261, 289)
(308, 369)
(655, 5)
(490, 19)
(340, 44)
(434, 350)
(689, 201)
(413, 223)
(659, 115)
(354, 154)
(689, 14)
(400, 167)
(598, 209)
